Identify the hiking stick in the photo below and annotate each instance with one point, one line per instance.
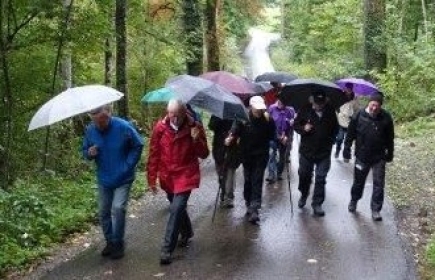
(287, 167)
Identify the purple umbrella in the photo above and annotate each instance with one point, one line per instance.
(360, 86)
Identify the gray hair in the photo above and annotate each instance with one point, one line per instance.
(176, 104)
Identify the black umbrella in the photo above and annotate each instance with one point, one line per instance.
(208, 96)
(297, 92)
(279, 77)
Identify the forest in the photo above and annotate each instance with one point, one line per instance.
(47, 190)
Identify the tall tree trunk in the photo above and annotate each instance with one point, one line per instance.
(423, 10)
(108, 63)
(121, 55)
(66, 63)
(212, 15)
(193, 30)
(7, 102)
(375, 56)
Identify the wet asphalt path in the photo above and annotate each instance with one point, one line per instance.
(283, 246)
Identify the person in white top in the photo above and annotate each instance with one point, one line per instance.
(344, 116)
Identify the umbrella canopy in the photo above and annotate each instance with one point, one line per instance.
(232, 82)
(72, 102)
(279, 77)
(207, 95)
(297, 92)
(360, 86)
(160, 95)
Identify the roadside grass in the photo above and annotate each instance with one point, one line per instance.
(411, 186)
(44, 211)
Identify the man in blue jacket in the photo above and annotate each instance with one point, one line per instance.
(116, 148)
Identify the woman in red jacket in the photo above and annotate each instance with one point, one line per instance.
(176, 144)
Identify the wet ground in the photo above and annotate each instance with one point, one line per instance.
(283, 246)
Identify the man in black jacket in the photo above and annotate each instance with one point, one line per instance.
(254, 137)
(372, 129)
(318, 126)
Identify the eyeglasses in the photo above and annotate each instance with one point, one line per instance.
(95, 111)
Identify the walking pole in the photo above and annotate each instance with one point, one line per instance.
(288, 178)
(221, 186)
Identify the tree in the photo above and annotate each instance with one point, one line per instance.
(194, 32)
(375, 56)
(121, 55)
(212, 34)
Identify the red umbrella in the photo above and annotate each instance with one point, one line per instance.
(232, 82)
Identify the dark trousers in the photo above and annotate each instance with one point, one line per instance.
(178, 222)
(306, 168)
(253, 172)
(359, 179)
(340, 138)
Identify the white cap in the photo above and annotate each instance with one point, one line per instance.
(257, 102)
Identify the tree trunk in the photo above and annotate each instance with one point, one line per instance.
(121, 56)
(213, 55)
(7, 103)
(194, 33)
(108, 63)
(375, 57)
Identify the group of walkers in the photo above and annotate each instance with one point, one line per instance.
(261, 143)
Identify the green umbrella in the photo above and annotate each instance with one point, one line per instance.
(160, 95)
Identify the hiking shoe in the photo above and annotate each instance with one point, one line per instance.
(337, 153)
(254, 217)
(352, 206)
(376, 216)
(318, 211)
(302, 201)
(117, 251)
(184, 240)
(165, 258)
(270, 180)
(107, 250)
(279, 178)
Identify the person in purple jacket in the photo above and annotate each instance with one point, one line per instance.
(116, 147)
(283, 116)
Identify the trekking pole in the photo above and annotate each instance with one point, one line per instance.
(216, 201)
(287, 165)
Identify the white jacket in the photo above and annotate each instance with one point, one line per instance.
(346, 112)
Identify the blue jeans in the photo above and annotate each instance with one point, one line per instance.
(178, 221)
(306, 168)
(112, 210)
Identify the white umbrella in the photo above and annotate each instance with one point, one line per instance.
(72, 102)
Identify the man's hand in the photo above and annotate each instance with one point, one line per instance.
(153, 189)
(194, 132)
(93, 151)
(228, 140)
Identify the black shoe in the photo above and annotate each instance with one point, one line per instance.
(337, 154)
(279, 178)
(352, 206)
(270, 180)
(184, 240)
(302, 201)
(318, 211)
(107, 250)
(254, 217)
(165, 258)
(376, 216)
(117, 251)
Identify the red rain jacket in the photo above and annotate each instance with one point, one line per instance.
(174, 156)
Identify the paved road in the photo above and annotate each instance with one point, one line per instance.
(284, 246)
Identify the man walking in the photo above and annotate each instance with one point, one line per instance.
(254, 137)
(116, 147)
(372, 129)
(317, 124)
(177, 142)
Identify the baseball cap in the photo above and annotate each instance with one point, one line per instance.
(319, 97)
(257, 102)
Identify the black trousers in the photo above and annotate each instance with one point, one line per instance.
(359, 180)
(321, 168)
(253, 173)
